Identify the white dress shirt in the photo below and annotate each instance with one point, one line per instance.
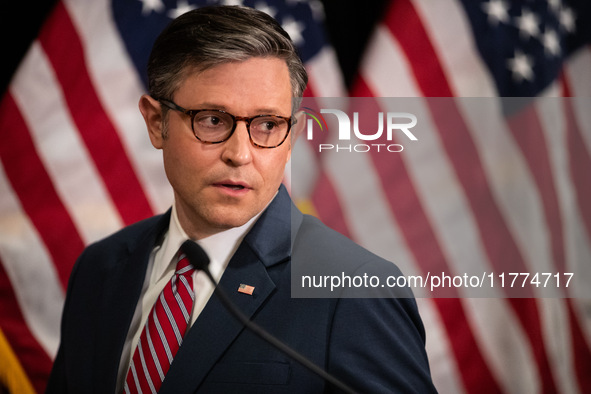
(219, 247)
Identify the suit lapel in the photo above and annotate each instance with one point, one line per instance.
(123, 284)
(267, 244)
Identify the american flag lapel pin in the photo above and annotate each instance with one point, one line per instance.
(246, 289)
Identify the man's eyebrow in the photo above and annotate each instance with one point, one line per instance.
(258, 111)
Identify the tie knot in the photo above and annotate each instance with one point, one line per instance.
(184, 267)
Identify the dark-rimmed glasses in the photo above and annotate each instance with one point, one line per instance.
(214, 126)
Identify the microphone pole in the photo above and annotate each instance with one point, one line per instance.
(200, 260)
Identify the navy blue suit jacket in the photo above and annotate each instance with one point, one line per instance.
(374, 345)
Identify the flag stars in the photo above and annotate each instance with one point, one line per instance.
(266, 8)
(294, 29)
(567, 20)
(497, 11)
(152, 5)
(181, 7)
(528, 24)
(551, 43)
(521, 66)
(555, 5)
(232, 2)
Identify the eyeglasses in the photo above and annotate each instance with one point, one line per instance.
(214, 126)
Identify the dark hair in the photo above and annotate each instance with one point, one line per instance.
(210, 36)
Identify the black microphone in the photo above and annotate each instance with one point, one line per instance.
(200, 260)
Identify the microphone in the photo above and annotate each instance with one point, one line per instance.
(200, 260)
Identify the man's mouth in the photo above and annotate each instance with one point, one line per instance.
(232, 185)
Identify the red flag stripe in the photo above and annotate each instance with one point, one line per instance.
(94, 125)
(419, 236)
(405, 24)
(496, 237)
(527, 131)
(325, 198)
(464, 157)
(36, 193)
(580, 161)
(533, 145)
(579, 167)
(328, 205)
(433, 83)
(35, 362)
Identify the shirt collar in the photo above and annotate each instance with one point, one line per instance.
(219, 247)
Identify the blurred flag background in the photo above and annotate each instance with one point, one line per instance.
(512, 184)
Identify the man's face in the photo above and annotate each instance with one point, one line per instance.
(220, 186)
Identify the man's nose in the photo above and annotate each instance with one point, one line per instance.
(238, 148)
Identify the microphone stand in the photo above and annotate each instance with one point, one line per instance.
(191, 253)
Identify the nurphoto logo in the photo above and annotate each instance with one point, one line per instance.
(389, 123)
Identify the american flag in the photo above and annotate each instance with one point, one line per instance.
(510, 185)
(76, 165)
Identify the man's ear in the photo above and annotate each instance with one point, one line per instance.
(152, 113)
(299, 126)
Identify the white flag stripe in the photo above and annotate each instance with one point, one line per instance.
(576, 244)
(554, 315)
(32, 275)
(368, 214)
(442, 197)
(579, 79)
(452, 38)
(444, 368)
(119, 88)
(510, 182)
(554, 128)
(61, 149)
(385, 67)
(493, 322)
(304, 169)
(324, 74)
(557, 332)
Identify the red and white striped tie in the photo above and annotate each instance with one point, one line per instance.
(163, 333)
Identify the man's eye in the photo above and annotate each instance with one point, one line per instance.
(209, 121)
(213, 120)
(269, 125)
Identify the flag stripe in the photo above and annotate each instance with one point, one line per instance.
(528, 132)
(61, 149)
(405, 24)
(327, 204)
(576, 74)
(384, 59)
(94, 125)
(35, 361)
(499, 244)
(444, 367)
(580, 161)
(119, 87)
(36, 192)
(37, 287)
(402, 198)
(441, 195)
(452, 38)
(462, 154)
(325, 80)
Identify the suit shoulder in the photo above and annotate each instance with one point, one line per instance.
(315, 238)
(129, 237)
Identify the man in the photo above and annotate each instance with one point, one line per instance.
(221, 83)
